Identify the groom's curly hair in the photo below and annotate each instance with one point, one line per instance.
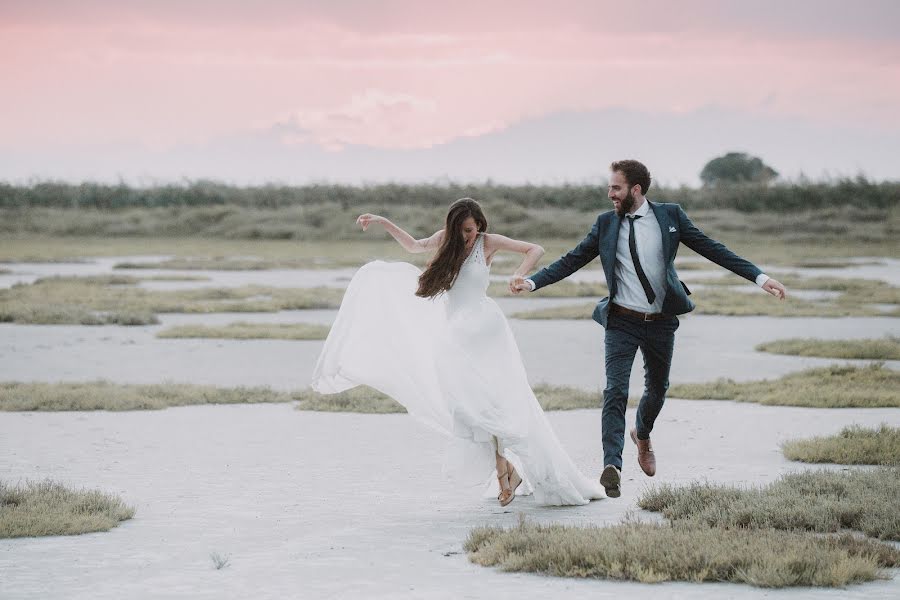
(635, 173)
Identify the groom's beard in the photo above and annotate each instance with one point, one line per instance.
(625, 205)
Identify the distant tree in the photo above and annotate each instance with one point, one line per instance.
(737, 167)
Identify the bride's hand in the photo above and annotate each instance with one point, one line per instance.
(367, 219)
(517, 284)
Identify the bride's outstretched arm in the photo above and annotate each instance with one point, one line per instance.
(533, 252)
(409, 243)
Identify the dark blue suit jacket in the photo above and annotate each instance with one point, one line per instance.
(675, 227)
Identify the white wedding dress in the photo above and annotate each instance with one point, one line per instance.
(453, 363)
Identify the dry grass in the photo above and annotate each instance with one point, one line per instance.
(695, 265)
(249, 331)
(756, 240)
(819, 501)
(231, 264)
(833, 264)
(880, 349)
(799, 282)
(47, 508)
(103, 395)
(570, 311)
(835, 386)
(363, 399)
(111, 300)
(855, 291)
(654, 553)
(117, 279)
(193, 253)
(884, 295)
(852, 446)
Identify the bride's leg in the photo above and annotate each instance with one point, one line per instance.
(502, 473)
(506, 474)
(502, 464)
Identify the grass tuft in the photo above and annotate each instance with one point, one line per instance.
(878, 349)
(103, 395)
(249, 331)
(48, 508)
(654, 553)
(818, 501)
(854, 445)
(110, 299)
(799, 282)
(363, 399)
(835, 386)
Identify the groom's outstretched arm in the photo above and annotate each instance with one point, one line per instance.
(715, 251)
(586, 251)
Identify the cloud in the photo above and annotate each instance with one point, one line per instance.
(374, 118)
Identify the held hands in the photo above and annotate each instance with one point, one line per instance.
(517, 284)
(775, 288)
(367, 219)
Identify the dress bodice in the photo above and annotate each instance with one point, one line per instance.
(470, 287)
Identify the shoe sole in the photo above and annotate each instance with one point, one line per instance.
(610, 481)
(514, 487)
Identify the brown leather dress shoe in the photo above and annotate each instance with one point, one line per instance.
(646, 457)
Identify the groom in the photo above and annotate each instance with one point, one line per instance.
(637, 243)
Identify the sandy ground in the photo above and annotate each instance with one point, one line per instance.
(313, 505)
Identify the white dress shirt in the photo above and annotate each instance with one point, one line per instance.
(648, 239)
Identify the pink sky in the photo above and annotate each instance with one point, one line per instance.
(407, 75)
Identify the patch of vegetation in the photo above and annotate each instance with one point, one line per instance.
(835, 386)
(110, 300)
(654, 553)
(852, 446)
(798, 282)
(249, 331)
(45, 508)
(876, 349)
(363, 399)
(103, 395)
(834, 264)
(858, 193)
(818, 501)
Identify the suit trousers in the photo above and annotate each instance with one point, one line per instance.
(656, 340)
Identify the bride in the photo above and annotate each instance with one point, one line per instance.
(438, 345)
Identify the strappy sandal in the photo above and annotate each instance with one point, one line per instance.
(514, 480)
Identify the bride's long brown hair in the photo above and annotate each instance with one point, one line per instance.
(444, 267)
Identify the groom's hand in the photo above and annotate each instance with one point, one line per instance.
(517, 284)
(775, 288)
